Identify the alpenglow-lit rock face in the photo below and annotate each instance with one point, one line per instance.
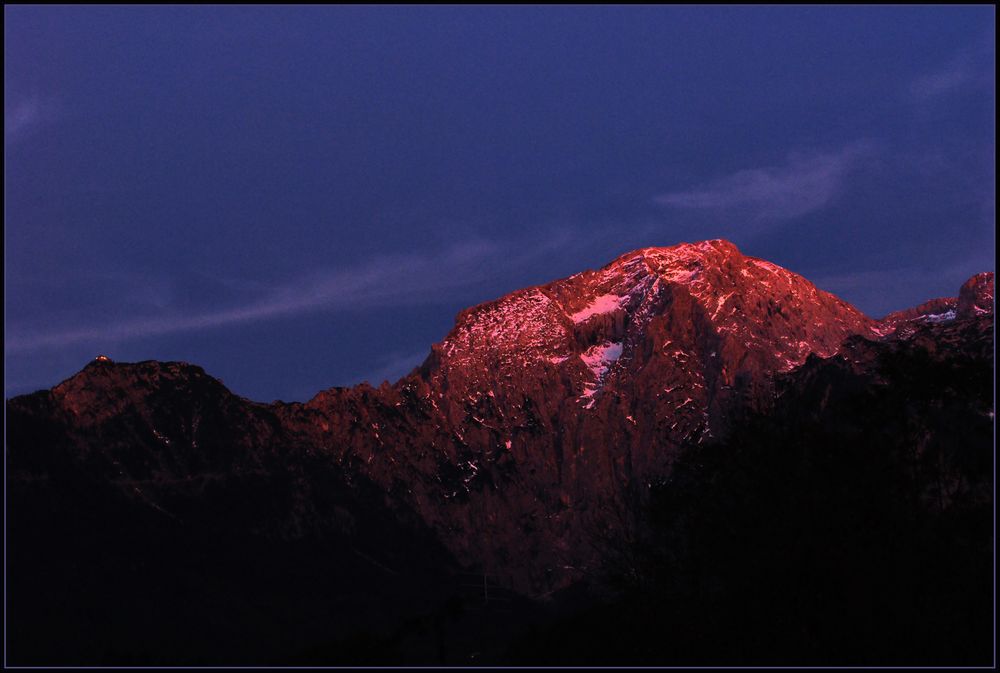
(714, 402)
(544, 412)
(651, 305)
(976, 296)
(530, 434)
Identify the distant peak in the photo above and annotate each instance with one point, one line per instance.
(105, 368)
(975, 297)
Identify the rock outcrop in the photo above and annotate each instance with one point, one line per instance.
(523, 447)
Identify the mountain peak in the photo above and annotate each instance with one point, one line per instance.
(700, 315)
(105, 387)
(976, 296)
(551, 399)
(714, 248)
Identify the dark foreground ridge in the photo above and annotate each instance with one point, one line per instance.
(689, 456)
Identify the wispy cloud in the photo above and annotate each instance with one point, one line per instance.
(803, 184)
(940, 82)
(970, 67)
(383, 280)
(394, 366)
(23, 115)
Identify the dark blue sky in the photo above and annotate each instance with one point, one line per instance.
(302, 197)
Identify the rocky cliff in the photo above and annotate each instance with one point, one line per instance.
(532, 436)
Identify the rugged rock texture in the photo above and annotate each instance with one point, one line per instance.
(935, 310)
(530, 438)
(154, 514)
(543, 416)
(850, 523)
(976, 296)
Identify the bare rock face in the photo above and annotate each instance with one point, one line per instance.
(526, 449)
(935, 310)
(975, 299)
(525, 441)
(543, 416)
(976, 296)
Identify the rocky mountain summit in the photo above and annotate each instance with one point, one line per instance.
(528, 443)
(573, 396)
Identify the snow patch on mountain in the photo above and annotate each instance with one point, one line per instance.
(599, 360)
(603, 304)
(947, 316)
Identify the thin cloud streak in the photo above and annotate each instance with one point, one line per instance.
(970, 67)
(940, 82)
(385, 280)
(805, 183)
(24, 116)
(394, 367)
